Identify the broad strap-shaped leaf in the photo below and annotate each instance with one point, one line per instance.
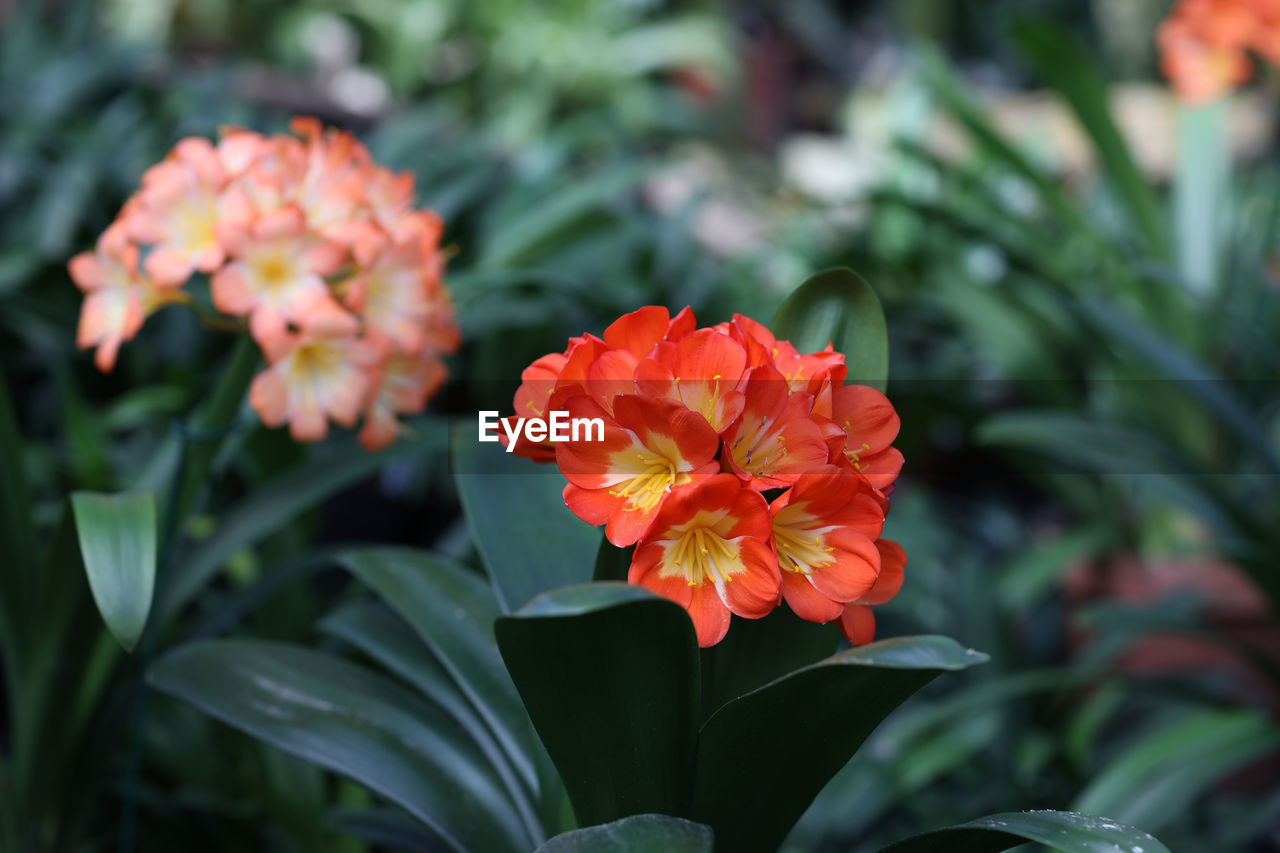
(791, 736)
(612, 562)
(757, 651)
(352, 721)
(609, 675)
(118, 543)
(1070, 832)
(528, 539)
(838, 307)
(452, 610)
(379, 633)
(272, 505)
(642, 833)
(386, 826)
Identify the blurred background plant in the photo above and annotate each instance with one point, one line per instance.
(1081, 275)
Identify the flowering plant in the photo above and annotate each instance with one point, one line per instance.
(729, 460)
(316, 250)
(1204, 44)
(699, 426)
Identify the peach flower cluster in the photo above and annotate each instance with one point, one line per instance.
(1204, 44)
(744, 472)
(316, 249)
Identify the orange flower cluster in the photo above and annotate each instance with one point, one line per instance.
(319, 249)
(743, 471)
(1204, 44)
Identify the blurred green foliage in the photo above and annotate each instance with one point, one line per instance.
(1074, 392)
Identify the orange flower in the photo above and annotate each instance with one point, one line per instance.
(316, 374)
(857, 622)
(178, 210)
(774, 441)
(824, 531)
(734, 406)
(702, 370)
(651, 446)
(707, 551)
(319, 247)
(117, 296)
(401, 386)
(277, 276)
(1204, 44)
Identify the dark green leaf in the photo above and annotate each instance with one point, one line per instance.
(644, 833)
(386, 827)
(265, 510)
(373, 630)
(118, 543)
(609, 674)
(612, 562)
(352, 721)
(17, 536)
(792, 735)
(838, 307)
(756, 651)
(1065, 831)
(452, 610)
(529, 540)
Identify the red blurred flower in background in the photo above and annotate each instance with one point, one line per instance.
(744, 471)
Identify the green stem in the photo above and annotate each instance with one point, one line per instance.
(198, 443)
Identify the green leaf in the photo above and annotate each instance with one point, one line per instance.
(1201, 191)
(1168, 770)
(838, 307)
(17, 541)
(269, 507)
(118, 542)
(1059, 58)
(1065, 831)
(612, 562)
(529, 540)
(643, 833)
(757, 651)
(609, 675)
(792, 735)
(386, 827)
(345, 718)
(452, 610)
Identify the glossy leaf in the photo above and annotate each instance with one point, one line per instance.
(117, 536)
(757, 651)
(609, 675)
(529, 540)
(1066, 831)
(354, 722)
(643, 833)
(372, 629)
(452, 611)
(838, 307)
(612, 562)
(270, 506)
(792, 735)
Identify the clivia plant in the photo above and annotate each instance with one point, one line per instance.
(673, 685)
